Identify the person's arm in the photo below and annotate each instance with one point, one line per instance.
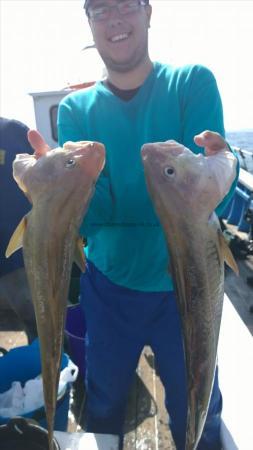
(100, 208)
(201, 110)
(13, 136)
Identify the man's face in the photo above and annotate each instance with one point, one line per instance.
(121, 39)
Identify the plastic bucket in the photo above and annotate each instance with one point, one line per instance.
(20, 434)
(75, 330)
(23, 364)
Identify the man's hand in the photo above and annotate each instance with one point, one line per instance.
(211, 141)
(38, 143)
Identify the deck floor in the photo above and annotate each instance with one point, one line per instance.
(146, 419)
(237, 289)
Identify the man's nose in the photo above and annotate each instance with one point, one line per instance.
(115, 22)
(115, 15)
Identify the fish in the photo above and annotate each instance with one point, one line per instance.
(185, 188)
(59, 185)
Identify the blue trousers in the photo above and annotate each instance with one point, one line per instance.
(120, 322)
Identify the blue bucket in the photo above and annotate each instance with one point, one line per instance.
(23, 364)
(75, 330)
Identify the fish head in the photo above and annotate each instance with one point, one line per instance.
(183, 183)
(76, 165)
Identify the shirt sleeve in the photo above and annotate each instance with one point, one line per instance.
(100, 208)
(201, 109)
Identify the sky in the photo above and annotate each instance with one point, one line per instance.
(41, 44)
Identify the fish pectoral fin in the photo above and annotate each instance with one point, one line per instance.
(227, 254)
(16, 240)
(79, 256)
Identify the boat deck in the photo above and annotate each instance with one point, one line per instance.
(237, 288)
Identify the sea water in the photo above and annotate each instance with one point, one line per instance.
(244, 141)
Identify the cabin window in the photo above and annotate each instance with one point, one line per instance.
(53, 122)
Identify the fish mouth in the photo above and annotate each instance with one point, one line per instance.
(89, 155)
(148, 151)
(162, 150)
(99, 150)
(92, 158)
(163, 158)
(153, 156)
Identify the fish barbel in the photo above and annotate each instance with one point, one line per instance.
(185, 189)
(59, 185)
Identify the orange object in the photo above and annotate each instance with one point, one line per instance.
(80, 85)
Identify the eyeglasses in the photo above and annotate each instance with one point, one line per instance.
(103, 12)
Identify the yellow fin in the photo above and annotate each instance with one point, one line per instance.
(79, 256)
(227, 254)
(16, 240)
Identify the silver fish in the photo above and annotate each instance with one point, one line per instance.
(185, 189)
(59, 186)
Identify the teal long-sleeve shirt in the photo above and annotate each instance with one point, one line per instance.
(125, 239)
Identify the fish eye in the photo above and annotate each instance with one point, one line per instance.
(169, 171)
(70, 163)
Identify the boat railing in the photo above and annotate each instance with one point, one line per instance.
(239, 211)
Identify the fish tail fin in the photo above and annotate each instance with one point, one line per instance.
(50, 440)
(50, 428)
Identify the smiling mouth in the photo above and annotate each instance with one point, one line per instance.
(120, 37)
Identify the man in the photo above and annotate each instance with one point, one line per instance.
(14, 289)
(126, 293)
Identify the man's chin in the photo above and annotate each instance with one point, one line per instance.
(124, 65)
(121, 66)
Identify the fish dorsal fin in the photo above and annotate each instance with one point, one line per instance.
(227, 254)
(79, 256)
(16, 240)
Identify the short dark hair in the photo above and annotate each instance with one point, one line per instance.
(88, 2)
